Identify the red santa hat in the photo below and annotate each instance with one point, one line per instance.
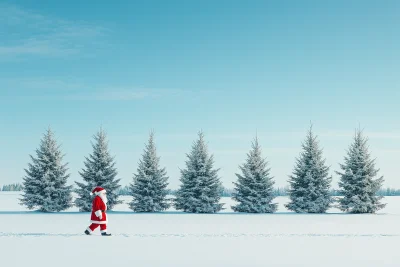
(97, 191)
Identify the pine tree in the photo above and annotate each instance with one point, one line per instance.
(149, 187)
(309, 190)
(45, 184)
(200, 185)
(99, 171)
(254, 189)
(357, 183)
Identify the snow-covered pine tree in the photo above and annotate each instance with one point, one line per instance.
(99, 171)
(45, 184)
(357, 183)
(254, 189)
(200, 189)
(310, 181)
(149, 187)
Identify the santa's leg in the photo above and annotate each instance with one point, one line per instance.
(103, 230)
(91, 228)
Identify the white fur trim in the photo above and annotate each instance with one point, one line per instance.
(99, 222)
(90, 230)
(103, 231)
(98, 213)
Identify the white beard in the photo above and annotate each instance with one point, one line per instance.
(104, 198)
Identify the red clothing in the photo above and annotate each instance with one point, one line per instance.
(98, 211)
(103, 227)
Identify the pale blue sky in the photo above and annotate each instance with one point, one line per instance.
(230, 68)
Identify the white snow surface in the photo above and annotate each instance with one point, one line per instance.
(176, 239)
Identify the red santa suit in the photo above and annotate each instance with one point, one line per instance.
(99, 207)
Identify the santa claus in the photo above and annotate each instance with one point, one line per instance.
(99, 216)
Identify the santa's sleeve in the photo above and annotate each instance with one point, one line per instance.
(96, 207)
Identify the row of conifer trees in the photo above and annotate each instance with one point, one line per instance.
(45, 183)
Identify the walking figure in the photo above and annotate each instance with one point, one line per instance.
(99, 216)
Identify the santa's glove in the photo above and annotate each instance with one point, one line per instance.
(100, 217)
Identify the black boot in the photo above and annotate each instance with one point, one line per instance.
(105, 234)
(87, 232)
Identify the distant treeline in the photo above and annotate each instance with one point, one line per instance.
(279, 192)
(389, 192)
(11, 187)
(381, 192)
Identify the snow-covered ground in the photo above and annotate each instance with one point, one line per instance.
(184, 240)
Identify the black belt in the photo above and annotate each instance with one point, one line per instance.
(103, 211)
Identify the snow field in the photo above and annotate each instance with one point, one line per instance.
(176, 239)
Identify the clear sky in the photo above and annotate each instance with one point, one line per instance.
(229, 68)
